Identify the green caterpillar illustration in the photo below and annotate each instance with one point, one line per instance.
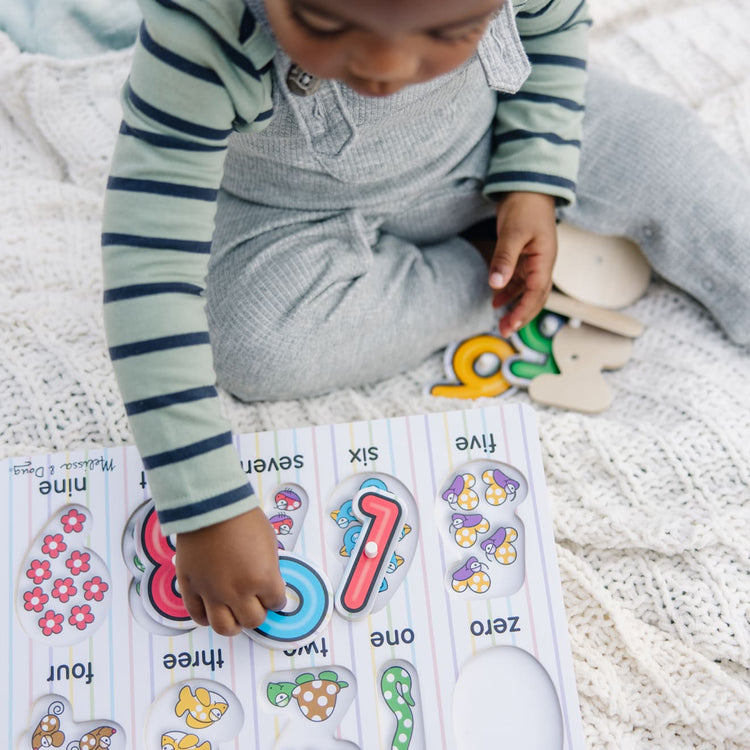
(395, 686)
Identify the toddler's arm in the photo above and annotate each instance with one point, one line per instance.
(192, 80)
(538, 137)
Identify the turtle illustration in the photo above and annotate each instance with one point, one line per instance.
(315, 696)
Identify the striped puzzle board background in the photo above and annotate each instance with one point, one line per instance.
(100, 666)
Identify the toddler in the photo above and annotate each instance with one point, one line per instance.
(292, 208)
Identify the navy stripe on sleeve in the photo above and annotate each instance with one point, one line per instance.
(157, 187)
(540, 58)
(540, 177)
(247, 26)
(184, 126)
(177, 61)
(146, 290)
(531, 96)
(167, 141)
(161, 344)
(240, 60)
(536, 13)
(169, 399)
(522, 135)
(187, 451)
(204, 506)
(155, 243)
(568, 24)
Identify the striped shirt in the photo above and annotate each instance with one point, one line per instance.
(201, 71)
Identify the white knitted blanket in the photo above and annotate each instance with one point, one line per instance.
(651, 500)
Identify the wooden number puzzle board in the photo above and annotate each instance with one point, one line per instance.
(424, 606)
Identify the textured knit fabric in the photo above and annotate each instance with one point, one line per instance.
(201, 71)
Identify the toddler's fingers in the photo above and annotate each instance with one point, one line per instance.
(222, 619)
(504, 260)
(523, 312)
(275, 598)
(249, 612)
(194, 604)
(505, 296)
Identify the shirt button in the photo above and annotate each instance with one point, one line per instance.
(300, 82)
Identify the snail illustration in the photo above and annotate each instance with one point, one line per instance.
(500, 487)
(471, 575)
(460, 493)
(466, 527)
(499, 546)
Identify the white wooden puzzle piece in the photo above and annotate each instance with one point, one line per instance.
(581, 353)
(609, 272)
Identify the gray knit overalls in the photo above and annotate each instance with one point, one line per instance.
(336, 259)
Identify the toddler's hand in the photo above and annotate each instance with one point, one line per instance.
(521, 267)
(228, 573)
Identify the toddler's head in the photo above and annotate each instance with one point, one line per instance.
(379, 46)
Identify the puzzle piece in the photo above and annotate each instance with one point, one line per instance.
(63, 587)
(581, 354)
(474, 366)
(155, 600)
(308, 607)
(394, 559)
(534, 350)
(609, 272)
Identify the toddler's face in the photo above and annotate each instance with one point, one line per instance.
(379, 46)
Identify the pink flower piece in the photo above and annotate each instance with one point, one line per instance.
(34, 600)
(94, 589)
(73, 520)
(39, 571)
(81, 616)
(51, 622)
(64, 589)
(78, 562)
(53, 545)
